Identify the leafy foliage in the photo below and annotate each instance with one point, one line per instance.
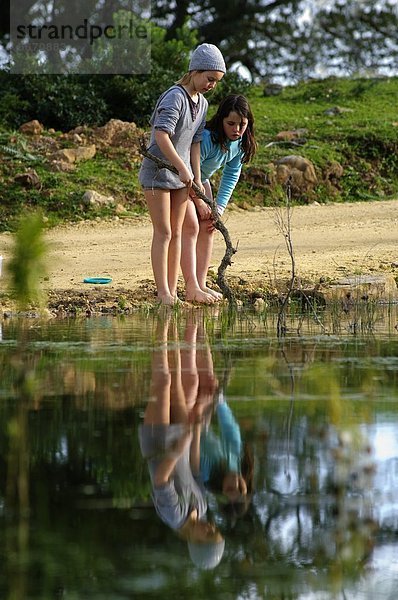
(54, 100)
(27, 264)
(67, 102)
(18, 150)
(290, 39)
(294, 39)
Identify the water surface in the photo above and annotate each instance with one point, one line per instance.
(316, 411)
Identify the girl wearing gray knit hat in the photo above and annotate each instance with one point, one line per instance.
(207, 57)
(177, 124)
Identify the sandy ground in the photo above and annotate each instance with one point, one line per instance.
(330, 241)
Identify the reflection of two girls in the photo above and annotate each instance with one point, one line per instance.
(183, 386)
(181, 455)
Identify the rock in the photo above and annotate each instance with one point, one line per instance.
(77, 138)
(337, 110)
(120, 209)
(29, 179)
(85, 152)
(60, 166)
(292, 134)
(255, 176)
(116, 133)
(66, 155)
(78, 130)
(299, 163)
(31, 128)
(299, 171)
(272, 89)
(93, 198)
(363, 287)
(72, 155)
(334, 170)
(332, 175)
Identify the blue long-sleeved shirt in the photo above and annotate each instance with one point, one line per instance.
(212, 158)
(227, 448)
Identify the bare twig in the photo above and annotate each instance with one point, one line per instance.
(284, 225)
(290, 414)
(285, 228)
(218, 224)
(311, 305)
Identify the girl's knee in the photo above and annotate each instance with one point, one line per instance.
(191, 228)
(162, 234)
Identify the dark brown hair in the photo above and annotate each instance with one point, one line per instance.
(246, 469)
(240, 105)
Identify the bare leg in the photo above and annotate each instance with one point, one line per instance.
(167, 404)
(159, 205)
(178, 208)
(190, 233)
(189, 370)
(208, 383)
(178, 407)
(158, 408)
(204, 249)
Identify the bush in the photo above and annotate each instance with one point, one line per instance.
(132, 98)
(55, 100)
(64, 102)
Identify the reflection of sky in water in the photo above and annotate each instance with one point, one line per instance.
(381, 583)
(381, 580)
(383, 438)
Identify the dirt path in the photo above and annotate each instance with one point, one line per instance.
(329, 241)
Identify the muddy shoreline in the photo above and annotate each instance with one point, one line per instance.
(330, 242)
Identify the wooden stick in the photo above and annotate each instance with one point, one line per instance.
(218, 224)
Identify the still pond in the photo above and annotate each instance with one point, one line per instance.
(272, 463)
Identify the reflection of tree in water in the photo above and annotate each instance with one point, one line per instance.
(83, 454)
(313, 509)
(81, 363)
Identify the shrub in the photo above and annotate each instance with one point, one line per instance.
(63, 102)
(55, 100)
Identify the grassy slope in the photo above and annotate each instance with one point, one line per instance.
(364, 141)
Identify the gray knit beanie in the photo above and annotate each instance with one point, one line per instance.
(207, 57)
(206, 556)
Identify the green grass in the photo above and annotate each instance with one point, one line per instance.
(60, 194)
(363, 140)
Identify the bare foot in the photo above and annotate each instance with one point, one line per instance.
(216, 295)
(199, 296)
(167, 299)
